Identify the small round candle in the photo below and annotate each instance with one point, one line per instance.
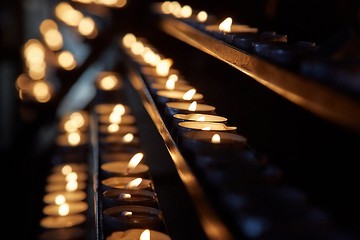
(125, 183)
(78, 120)
(107, 108)
(66, 186)
(62, 221)
(75, 196)
(151, 71)
(122, 169)
(60, 177)
(179, 86)
(71, 233)
(114, 129)
(117, 197)
(116, 156)
(69, 167)
(116, 143)
(165, 96)
(132, 234)
(70, 208)
(120, 218)
(108, 81)
(126, 119)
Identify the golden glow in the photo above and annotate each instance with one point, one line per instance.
(192, 106)
(41, 91)
(87, 27)
(206, 128)
(71, 186)
(162, 69)
(128, 40)
(134, 161)
(124, 196)
(186, 11)
(202, 16)
(108, 2)
(120, 3)
(109, 82)
(70, 126)
(34, 52)
(66, 60)
(53, 39)
(47, 24)
(78, 119)
(66, 169)
(175, 8)
(189, 94)
(126, 213)
(23, 82)
(119, 108)
(73, 176)
(170, 84)
(134, 183)
(112, 128)
(201, 119)
(165, 7)
(66, 13)
(115, 117)
(128, 137)
(59, 199)
(225, 25)
(216, 138)
(137, 48)
(145, 235)
(83, 1)
(73, 138)
(37, 71)
(64, 209)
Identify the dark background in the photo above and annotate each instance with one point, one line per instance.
(317, 156)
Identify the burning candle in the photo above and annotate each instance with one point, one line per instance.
(107, 108)
(67, 168)
(115, 129)
(63, 233)
(118, 197)
(117, 143)
(108, 87)
(56, 222)
(60, 177)
(74, 196)
(64, 209)
(121, 218)
(165, 96)
(173, 108)
(126, 183)
(65, 186)
(138, 234)
(72, 146)
(116, 118)
(70, 122)
(131, 168)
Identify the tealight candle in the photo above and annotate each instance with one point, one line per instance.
(169, 85)
(165, 96)
(65, 208)
(66, 168)
(115, 129)
(126, 183)
(121, 218)
(173, 108)
(60, 177)
(116, 156)
(108, 87)
(124, 169)
(72, 146)
(131, 234)
(65, 186)
(78, 120)
(126, 119)
(152, 72)
(62, 221)
(107, 108)
(74, 196)
(117, 143)
(118, 197)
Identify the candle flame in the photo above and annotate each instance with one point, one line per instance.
(73, 176)
(108, 82)
(71, 186)
(126, 213)
(66, 60)
(128, 40)
(201, 119)
(145, 235)
(115, 117)
(134, 183)
(74, 138)
(225, 25)
(64, 209)
(66, 169)
(119, 108)
(134, 161)
(128, 137)
(59, 199)
(186, 11)
(202, 16)
(162, 69)
(189, 94)
(87, 27)
(170, 84)
(192, 106)
(124, 196)
(206, 128)
(113, 127)
(216, 138)
(78, 119)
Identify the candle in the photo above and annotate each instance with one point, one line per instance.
(70, 122)
(165, 96)
(108, 81)
(169, 85)
(116, 168)
(116, 156)
(115, 129)
(121, 218)
(137, 234)
(66, 168)
(63, 233)
(65, 186)
(118, 143)
(173, 108)
(74, 196)
(65, 208)
(120, 120)
(152, 72)
(118, 197)
(107, 108)
(72, 146)
(126, 183)
(60, 177)
(62, 221)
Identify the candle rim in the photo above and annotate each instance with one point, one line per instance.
(164, 92)
(174, 104)
(116, 192)
(116, 235)
(197, 136)
(182, 115)
(226, 128)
